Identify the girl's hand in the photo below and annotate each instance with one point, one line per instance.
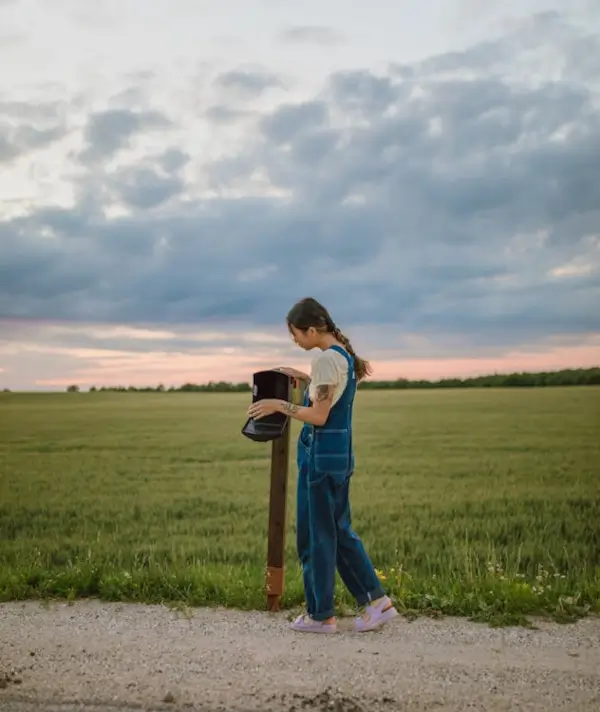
(262, 408)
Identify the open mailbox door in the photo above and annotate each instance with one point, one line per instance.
(268, 384)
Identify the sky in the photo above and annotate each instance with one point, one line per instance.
(175, 175)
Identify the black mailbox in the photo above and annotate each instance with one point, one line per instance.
(268, 384)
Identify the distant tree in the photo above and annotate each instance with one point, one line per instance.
(73, 389)
(93, 389)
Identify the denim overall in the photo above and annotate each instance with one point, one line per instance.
(325, 539)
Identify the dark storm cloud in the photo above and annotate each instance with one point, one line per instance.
(109, 131)
(438, 203)
(313, 34)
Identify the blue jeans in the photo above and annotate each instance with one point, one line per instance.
(326, 542)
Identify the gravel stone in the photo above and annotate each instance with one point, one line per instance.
(96, 657)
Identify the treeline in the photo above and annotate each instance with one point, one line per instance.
(211, 387)
(566, 377)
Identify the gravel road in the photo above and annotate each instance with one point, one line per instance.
(97, 657)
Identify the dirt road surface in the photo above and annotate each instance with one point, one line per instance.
(97, 657)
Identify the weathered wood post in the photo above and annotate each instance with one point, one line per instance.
(280, 462)
(275, 574)
(276, 428)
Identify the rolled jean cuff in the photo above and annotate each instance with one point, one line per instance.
(373, 595)
(320, 617)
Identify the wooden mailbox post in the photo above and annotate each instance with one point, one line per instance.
(275, 428)
(275, 574)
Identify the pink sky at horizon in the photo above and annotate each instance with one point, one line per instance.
(175, 369)
(38, 355)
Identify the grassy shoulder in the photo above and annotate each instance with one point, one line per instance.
(491, 596)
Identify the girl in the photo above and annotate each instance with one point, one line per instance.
(325, 539)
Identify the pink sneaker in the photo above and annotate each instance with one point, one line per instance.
(305, 624)
(375, 616)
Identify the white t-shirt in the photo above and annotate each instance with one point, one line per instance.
(328, 368)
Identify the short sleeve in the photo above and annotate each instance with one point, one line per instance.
(324, 371)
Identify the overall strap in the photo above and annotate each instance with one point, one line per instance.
(348, 394)
(344, 353)
(347, 356)
(351, 374)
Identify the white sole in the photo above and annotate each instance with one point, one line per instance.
(388, 616)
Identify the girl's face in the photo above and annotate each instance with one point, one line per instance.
(304, 339)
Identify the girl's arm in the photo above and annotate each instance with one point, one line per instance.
(315, 414)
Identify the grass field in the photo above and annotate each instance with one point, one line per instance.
(471, 502)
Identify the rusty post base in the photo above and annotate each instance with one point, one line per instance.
(273, 604)
(274, 584)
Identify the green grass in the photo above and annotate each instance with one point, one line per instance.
(483, 503)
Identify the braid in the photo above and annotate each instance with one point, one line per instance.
(308, 313)
(362, 367)
(343, 340)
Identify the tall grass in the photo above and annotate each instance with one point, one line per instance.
(480, 503)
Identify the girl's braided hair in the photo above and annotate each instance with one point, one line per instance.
(309, 312)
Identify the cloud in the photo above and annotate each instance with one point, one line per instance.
(52, 111)
(225, 114)
(292, 120)
(248, 82)
(42, 353)
(145, 187)
(26, 127)
(10, 40)
(454, 199)
(109, 131)
(173, 160)
(520, 53)
(313, 34)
